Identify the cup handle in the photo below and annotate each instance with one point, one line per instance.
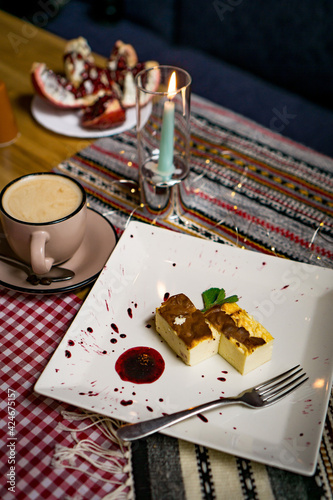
(39, 263)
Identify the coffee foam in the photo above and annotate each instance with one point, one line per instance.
(41, 198)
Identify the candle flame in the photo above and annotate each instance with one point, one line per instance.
(172, 86)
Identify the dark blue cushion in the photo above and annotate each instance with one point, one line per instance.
(241, 91)
(286, 42)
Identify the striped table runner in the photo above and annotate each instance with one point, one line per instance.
(251, 187)
(247, 186)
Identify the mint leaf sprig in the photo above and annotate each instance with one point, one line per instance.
(216, 297)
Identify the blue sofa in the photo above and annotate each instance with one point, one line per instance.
(271, 61)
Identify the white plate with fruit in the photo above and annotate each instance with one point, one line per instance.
(89, 100)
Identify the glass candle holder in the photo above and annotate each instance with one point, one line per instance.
(163, 133)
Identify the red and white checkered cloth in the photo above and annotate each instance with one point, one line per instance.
(30, 329)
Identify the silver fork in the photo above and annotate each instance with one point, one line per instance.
(265, 394)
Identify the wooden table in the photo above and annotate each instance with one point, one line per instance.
(36, 149)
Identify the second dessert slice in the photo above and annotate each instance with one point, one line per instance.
(244, 343)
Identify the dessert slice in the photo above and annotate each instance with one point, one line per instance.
(185, 330)
(244, 342)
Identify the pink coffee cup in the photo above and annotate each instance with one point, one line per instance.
(44, 218)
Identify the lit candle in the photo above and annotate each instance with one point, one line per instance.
(165, 161)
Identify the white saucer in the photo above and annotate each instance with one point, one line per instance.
(87, 263)
(67, 122)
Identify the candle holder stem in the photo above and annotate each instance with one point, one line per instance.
(161, 196)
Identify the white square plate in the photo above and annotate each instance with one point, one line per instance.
(293, 301)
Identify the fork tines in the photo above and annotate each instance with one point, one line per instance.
(278, 387)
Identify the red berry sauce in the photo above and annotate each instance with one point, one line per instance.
(140, 365)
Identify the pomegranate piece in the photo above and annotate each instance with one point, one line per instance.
(123, 54)
(81, 70)
(96, 81)
(78, 60)
(124, 66)
(105, 113)
(57, 90)
(152, 83)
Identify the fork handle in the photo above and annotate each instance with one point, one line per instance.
(131, 432)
